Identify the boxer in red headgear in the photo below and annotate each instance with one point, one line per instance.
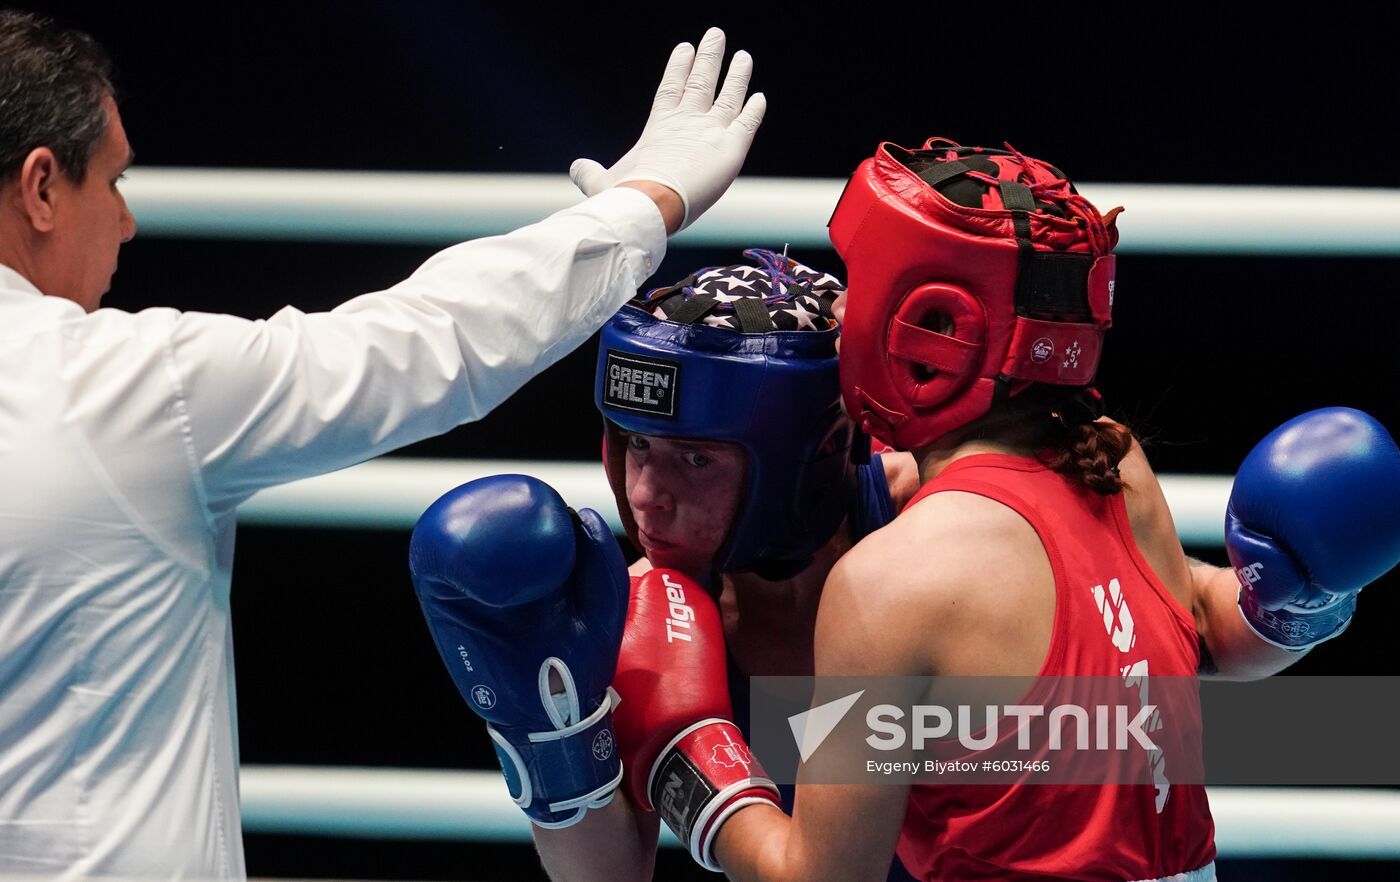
(979, 274)
(1039, 544)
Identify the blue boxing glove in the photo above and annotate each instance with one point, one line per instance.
(514, 586)
(1314, 516)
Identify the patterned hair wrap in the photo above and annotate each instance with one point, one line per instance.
(776, 294)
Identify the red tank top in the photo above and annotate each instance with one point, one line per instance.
(1113, 618)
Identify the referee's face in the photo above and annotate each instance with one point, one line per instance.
(91, 222)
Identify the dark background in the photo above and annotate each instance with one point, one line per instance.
(1207, 355)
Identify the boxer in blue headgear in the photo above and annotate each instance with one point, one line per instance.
(743, 355)
(733, 464)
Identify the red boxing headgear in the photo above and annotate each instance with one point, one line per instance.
(971, 274)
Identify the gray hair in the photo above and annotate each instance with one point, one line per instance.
(53, 82)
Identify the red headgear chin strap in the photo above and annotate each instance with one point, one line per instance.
(972, 273)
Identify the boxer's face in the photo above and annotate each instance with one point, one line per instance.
(684, 495)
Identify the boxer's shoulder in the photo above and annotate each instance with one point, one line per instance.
(962, 524)
(1150, 518)
(1142, 493)
(932, 565)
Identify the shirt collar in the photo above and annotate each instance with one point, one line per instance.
(13, 281)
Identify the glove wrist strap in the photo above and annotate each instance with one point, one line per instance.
(1294, 627)
(702, 777)
(555, 776)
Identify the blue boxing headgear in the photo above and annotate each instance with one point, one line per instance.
(743, 354)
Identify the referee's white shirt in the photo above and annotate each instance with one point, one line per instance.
(127, 442)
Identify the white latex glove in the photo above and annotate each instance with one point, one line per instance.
(693, 142)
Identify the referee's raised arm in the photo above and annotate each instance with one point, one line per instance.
(127, 440)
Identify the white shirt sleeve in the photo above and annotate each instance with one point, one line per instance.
(265, 402)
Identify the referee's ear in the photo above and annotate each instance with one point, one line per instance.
(36, 186)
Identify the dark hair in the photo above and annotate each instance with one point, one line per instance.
(1060, 425)
(52, 84)
(1091, 452)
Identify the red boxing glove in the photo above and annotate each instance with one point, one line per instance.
(681, 754)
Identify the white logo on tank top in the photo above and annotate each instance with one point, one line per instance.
(1118, 624)
(1117, 618)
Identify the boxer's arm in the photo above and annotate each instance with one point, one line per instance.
(1230, 650)
(845, 831)
(616, 843)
